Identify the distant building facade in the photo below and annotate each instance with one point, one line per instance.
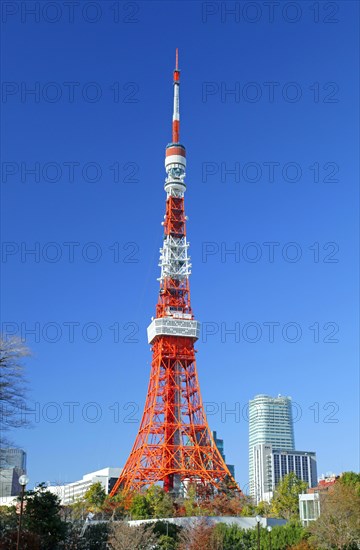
(71, 492)
(270, 422)
(220, 445)
(270, 465)
(12, 466)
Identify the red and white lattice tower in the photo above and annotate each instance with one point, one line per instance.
(174, 445)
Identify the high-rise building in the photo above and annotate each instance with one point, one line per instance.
(13, 457)
(270, 421)
(220, 445)
(271, 465)
(12, 466)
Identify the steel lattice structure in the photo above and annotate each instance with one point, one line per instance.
(174, 444)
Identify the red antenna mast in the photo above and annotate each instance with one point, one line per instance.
(174, 444)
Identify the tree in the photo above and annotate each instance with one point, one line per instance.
(166, 543)
(168, 534)
(42, 517)
(115, 506)
(351, 479)
(234, 538)
(285, 503)
(283, 537)
(140, 508)
(263, 509)
(248, 510)
(199, 536)
(95, 536)
(78, 510)
(161, 504)
(190, 503)
(338, 525)
(13, 397)
(126, 537)
(8, 525)
(286, 536)
(95, 497)
(224, 505)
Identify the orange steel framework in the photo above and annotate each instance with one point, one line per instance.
(174, 444)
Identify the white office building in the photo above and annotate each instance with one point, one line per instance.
(270, 422)
(71, 492)
(309, 506)
(271, 465)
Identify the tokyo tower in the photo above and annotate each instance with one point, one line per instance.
(174, 445)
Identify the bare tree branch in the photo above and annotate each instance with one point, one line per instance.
(13, 386)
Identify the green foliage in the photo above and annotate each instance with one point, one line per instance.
(248, 510)
(190, 503)
(263, 509)
(232, 537)
(351, 479)
(168, 534)
(78, 510)
(42, 517)
(114, 506)
(285, 503)
(160, 503)
(166, 543)
(338, 525)
(8, 525)
(140, 508)
(94, 538)
(283, 537)
(167, 528)
(95, 496)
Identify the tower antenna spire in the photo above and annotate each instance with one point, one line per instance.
(176, 110)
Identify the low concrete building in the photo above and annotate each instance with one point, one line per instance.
(71, 492)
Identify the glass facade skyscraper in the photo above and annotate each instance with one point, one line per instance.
(12, 466)
(220, 445)
(270, 421)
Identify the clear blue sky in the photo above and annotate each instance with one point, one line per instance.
(102, 77)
